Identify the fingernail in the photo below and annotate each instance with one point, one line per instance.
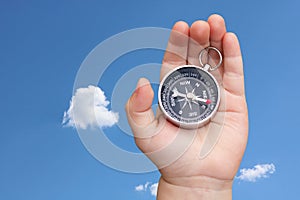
(142, 82)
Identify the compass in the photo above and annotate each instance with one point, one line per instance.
(189, 95)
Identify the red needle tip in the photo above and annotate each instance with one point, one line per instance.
(208, 101)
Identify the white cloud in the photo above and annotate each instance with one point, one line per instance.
(139, 188)
(152, 188)
(146, 185)
(142, 187)
(88, 108)
(257, 172)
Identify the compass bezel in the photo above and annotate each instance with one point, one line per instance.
(182, 124)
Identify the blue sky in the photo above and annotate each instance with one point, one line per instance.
(42, 45)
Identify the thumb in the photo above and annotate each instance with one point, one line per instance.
(138, 107)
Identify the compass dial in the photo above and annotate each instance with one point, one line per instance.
(189, 96)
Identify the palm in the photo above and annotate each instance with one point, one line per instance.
(216, 149)
(222, 158)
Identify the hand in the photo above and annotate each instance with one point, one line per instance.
(190, 176)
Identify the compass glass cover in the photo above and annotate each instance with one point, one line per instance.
(189, 95)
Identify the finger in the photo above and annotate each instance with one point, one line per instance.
(217, 32)
(233, 77)
(176, 52)
(199, 39)
(138, 107)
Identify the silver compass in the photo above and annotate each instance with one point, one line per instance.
(189, 95)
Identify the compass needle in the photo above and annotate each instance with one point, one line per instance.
(195, 102)
(175, 92)
(192, 85)
(179, 100)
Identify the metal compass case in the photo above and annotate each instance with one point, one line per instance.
(189, 95)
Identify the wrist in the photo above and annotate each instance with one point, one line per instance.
(200, 188)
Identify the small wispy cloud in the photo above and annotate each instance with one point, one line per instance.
(153, 189)
(147, 187)
(257, 172)
(88, 108)
(142, 187)
(139, 188)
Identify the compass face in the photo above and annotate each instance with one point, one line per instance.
(189, 96)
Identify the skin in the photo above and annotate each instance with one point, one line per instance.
(189, 176)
